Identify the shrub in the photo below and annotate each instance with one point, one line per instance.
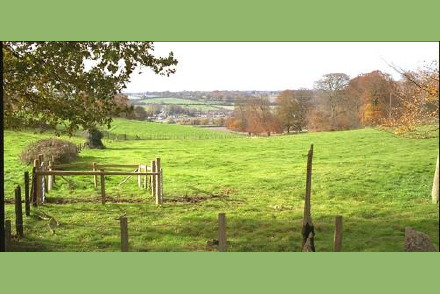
(94, 139)
(60, 150)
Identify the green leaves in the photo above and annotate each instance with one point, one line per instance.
(71, 83)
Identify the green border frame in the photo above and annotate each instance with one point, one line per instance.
(226, 20)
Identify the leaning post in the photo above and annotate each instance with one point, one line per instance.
(308, 230)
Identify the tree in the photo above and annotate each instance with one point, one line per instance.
(332, 85)
(419, 100)
(140, 113)
(370, 94)
(71, 83)
(292, 109)
(122, 107)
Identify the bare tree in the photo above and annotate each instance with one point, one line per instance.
(332, 85)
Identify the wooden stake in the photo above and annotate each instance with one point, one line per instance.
(34, 186)
(338, 234)
(139, 177)
(124, 234)
(153, 178)
(50, 178)
(222, 232)
(307, 226)
(158, 181)
(18, 212)
(102, 187)
(161, 185)
(95, 177)
(39, 188)
(26, 194)
(146, 178)
(8, 230)
(53, 162)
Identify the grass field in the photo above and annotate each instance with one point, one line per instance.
(187, 103)
(159, 131)
(378, 182)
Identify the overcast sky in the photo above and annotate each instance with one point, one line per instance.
(208, 66)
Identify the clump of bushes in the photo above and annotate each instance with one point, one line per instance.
(61, 151)
(94, 139)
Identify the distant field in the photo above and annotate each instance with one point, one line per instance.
(378, 182)
(162, 131)
(187, 103)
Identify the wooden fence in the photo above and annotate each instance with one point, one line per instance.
(44, 174)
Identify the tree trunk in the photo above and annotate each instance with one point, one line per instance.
(435, 185)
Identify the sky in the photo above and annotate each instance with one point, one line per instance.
(273, 66)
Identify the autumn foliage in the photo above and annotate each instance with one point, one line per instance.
(254, 116)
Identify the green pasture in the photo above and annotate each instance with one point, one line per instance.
(380, 183)
(186, 103)
(161, 131)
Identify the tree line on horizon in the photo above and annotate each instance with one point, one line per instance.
(339, 103)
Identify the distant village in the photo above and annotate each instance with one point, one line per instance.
(192, 107)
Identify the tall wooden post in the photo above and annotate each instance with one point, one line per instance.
(38, 184)
(307, 226)
(18, 212)
(8, 233)
(158, 181)
(139, 176)
(102, 186)
(338, 234)
(222, 232)
(161, 185)
(34, 188)
(146, 178)
(153, 178)
(41, 158)
(53, 163)
(49, 178)
(124, 234)
(26, 194)
(95, 177)
(43, 178)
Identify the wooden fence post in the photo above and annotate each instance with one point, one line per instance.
(338, 234)
(307, 226)
(8, 229)
(161, 186)
(95, 177)
(139, 177)
(18, 212)
(34, 187)
(26, 193)
(38, 186)
(146, 178)
(124, 234)
(102, 186)
(50, 178)
(153, 178)
(158, 189)
(42, 167)
(53, 162)
(222, 232)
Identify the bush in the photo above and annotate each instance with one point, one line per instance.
(94, 139)
(62, 151)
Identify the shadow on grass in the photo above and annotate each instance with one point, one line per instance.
(244, 233)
